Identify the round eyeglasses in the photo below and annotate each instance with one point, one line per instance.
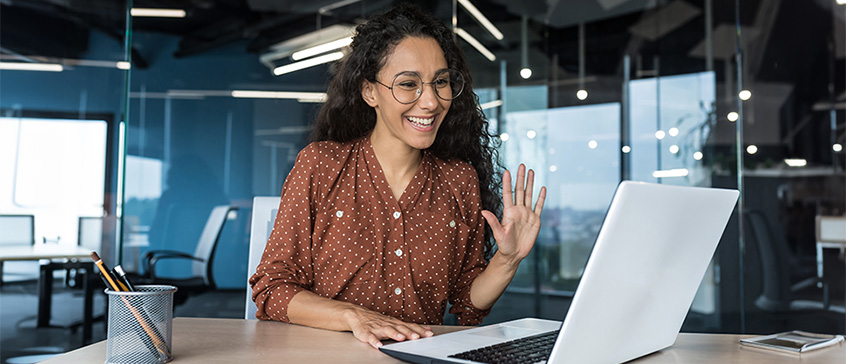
(408, 86)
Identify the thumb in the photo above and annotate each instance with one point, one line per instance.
(496, 227)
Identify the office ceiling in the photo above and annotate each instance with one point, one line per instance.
(672, 29)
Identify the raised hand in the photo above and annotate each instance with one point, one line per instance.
(515, 235)
(372, 327)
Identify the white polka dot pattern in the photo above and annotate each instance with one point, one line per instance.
(341, 234)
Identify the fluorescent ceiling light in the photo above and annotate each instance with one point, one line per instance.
(323, 48)
(481, 18)
(680, 172)
(24, 66)
(157, 13)
(286, 48)
(475, 43)
(841, 2)
(311, 62)
(299, 96)
(491, 104)
(796, 162)
(123, 65)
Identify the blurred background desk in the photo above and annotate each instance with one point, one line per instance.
(200, 340)
(56, 257)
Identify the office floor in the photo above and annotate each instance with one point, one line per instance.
(21, 342)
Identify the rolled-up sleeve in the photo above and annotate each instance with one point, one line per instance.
(474, 255)
(286, 266)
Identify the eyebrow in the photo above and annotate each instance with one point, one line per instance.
(418, 73)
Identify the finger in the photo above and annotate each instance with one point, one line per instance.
(541, 198)
(389, 332)
(419, 330)
(507, 197)
(519, 192)
(367, 337)
(496, 227)
(408, 331)
(427, 331)
(530, 183)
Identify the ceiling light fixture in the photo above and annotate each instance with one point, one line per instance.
(491, 104)
(311, 62)
(24, 66)
(525, 72)
(582, 93)
(288, 95)
(475, 43)
(732, 116)
(680, 172)
(796, 162)
(481, 18)
(157, 13)
(322, 48)
(287, 48)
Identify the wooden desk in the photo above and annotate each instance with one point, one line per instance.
(198, 340)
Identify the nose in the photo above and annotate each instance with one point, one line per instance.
(428, 99)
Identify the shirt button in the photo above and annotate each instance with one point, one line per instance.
(398, 252)
(452, 223)
(339, 214)
(397, 214)
(397, 291)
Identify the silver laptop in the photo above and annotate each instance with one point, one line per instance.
(650, 256)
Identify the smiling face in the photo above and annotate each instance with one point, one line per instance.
(413, 125)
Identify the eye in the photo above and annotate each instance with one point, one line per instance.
(407, 84)
(441, 82)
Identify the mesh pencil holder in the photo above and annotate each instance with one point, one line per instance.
(140, 325)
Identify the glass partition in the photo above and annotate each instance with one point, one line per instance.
(160, 120)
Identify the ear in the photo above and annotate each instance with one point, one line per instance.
(368, 94)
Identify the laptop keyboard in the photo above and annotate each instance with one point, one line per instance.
(530, 349)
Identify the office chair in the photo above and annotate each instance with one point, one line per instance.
(17, 230)
(782, 299)
(202, 279)
(261, 224)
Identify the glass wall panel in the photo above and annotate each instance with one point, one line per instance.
(187, 115)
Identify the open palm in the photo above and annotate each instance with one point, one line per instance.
(516, 234)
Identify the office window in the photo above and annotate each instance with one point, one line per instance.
(53, 169)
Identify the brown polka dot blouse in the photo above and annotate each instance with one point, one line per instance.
(342, 234)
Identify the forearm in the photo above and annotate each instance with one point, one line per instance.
(309, 309)
(491, 283)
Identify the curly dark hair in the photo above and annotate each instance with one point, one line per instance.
(464, 132)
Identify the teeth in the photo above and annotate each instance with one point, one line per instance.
(421, 121)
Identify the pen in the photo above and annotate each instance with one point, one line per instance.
(122, 277)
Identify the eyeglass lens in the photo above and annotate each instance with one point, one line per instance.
(408, 86)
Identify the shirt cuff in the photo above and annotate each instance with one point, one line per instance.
(275, 306)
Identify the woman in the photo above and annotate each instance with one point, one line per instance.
(381, 220)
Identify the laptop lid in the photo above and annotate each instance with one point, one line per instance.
(650, 256)
(651, 253)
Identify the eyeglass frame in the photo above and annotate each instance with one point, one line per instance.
(424, 83)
